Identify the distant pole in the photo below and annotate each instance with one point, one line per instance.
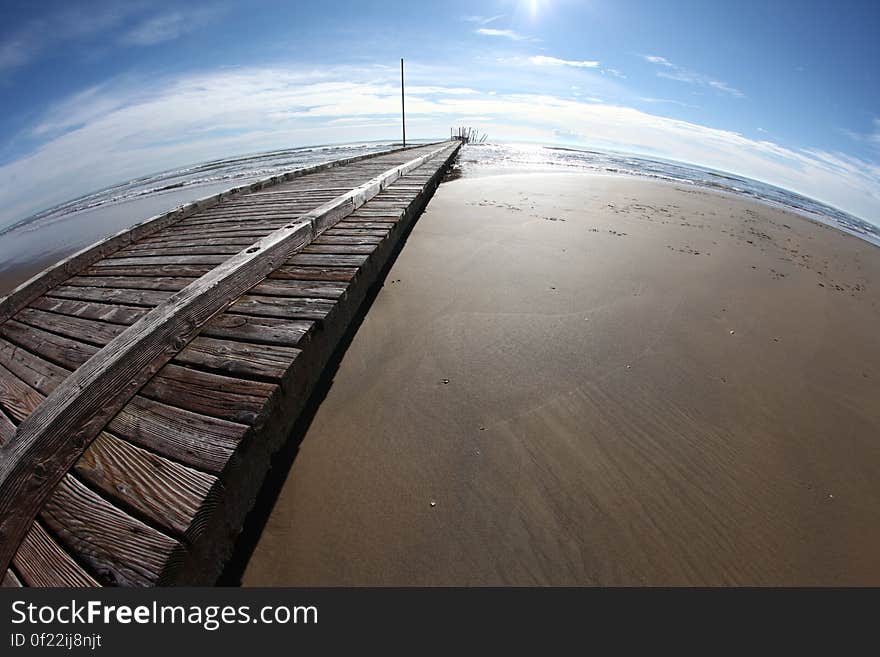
(402, 109)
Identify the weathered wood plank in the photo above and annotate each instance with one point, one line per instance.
(133, 281)
(252, 216)
(162, 272)
(193, 249)
(237, 359)
(103, 312)
(215, 395)
(62, 351)
(153, 261)
(286, 192)
(143, 298)
(340, 249)
(42, 562)
(371, 220)
(372, 225)
(17, 399)
(374, 216)
(229, 226)
(326, 260)
(171, 240)
(168, 493)
(258, 330)
(292, 288)
(289, 308)
(380, 232)
(84, 330)
(118, 548)
(331, 238)
(339, 274)
(195, 440)
(41, 375)
(194, 236)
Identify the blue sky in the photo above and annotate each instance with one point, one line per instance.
(94, 93)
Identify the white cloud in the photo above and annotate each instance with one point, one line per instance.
(168, 26)
(449, 91)
(555, 61)
(482, 20)
(69, 24)
(874, 136)
(672, 71)
(118, 131)
(507, 34)
(16, 52)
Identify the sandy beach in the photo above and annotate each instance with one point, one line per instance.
(575, 379)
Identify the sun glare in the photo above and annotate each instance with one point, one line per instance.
(534, 6)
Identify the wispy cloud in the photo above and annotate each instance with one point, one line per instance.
(168, 26)
(667, 101)
(16, 51)
(72, 23)
(86, 24)
(507, 34)
(119, 131)
(672, 71)
(542, 60)
(482, 20)
(872, 137)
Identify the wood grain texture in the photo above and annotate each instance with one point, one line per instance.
(57, 349)
(340, 249)
(292, 288)
(259, 330)
(17, 399)
(134, 279)
(118, 548)
(199, 441)
(238, 359)
(327, 273)
(320, 260)
(103, 312)
(224, 397)
(286, 308)
(141, 298)
(84, 330)
(168, 493)
(41, 375)
(42, 562)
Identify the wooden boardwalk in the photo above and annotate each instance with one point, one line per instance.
(146, 381)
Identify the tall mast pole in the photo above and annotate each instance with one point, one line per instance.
(402, 109)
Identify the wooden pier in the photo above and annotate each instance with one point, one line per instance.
(146, 381)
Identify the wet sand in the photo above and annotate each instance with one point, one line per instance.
(574, 379)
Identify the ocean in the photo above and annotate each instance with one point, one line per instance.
(37, 241)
